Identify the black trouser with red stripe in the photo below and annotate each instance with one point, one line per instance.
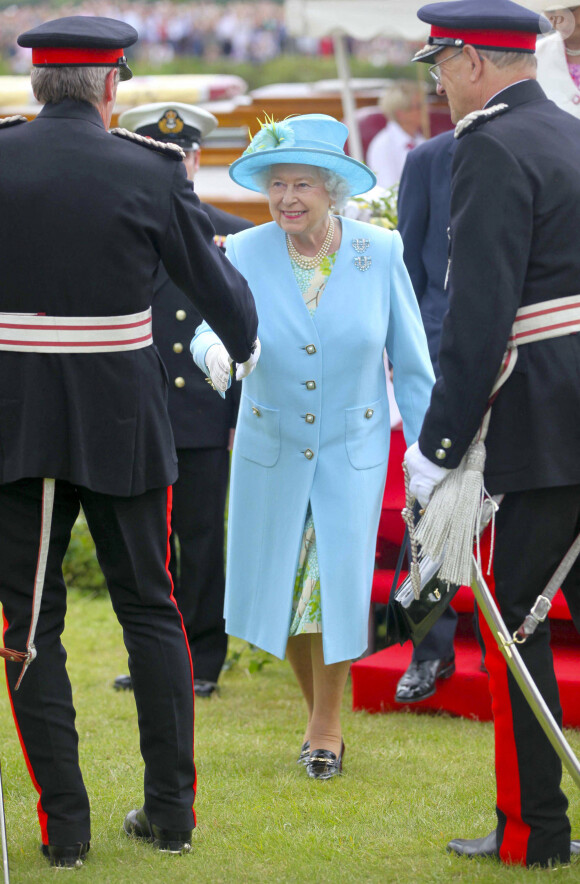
(199, 499)
(534, 531)
(131, 536)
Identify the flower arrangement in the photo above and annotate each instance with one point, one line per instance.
(378, 206)
(272, 134)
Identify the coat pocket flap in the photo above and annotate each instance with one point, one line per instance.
(367, 435)
(258, 432)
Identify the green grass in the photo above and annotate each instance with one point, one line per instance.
(411, 783)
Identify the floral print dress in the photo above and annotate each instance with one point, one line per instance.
(306, 607)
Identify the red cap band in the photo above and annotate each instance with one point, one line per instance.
(505, 40)
(76, 56)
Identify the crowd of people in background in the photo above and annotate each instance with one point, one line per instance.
(240, 32)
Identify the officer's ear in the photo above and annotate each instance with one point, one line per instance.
(476, 63)
(111, 81)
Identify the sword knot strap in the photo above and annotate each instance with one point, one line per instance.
(14, 656)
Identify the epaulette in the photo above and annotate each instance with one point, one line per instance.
(165, 147)
(476, 118)
(6, 122)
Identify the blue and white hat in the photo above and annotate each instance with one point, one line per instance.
(310, 140)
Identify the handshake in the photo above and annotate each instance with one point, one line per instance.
(220, 366)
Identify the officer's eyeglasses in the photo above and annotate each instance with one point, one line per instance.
(434, 69)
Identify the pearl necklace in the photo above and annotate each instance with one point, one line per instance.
(572, 51)
(304, 262)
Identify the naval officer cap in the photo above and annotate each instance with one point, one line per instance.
(81, 41)
(485, 24)
(178, 123)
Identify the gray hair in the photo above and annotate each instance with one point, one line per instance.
(337, 187)
(502, 60)
(54, 84)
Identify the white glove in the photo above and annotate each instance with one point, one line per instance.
(423, 474)
(218, 363)
(245, 368)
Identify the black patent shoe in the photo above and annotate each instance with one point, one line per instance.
(419, 681)
(123, 683)
(323, 764)
(72, 856)
(475, 846)
(136, 825)
(304, 756)
(488, 847)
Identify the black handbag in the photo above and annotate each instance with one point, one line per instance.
(411, 618)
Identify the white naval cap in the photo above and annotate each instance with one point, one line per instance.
(183, 124)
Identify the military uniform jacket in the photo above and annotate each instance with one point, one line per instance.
(199, 418)
(424, 200)
(515, 213)
(85, 218)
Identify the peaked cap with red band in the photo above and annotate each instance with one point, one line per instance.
(485, 24)
(81, 41)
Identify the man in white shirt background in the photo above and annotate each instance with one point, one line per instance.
(402, 104)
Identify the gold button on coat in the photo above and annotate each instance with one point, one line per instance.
(179, 382)
(311, 349)
(311, 385)
(308, 454)
(446, 443)
(440, 454)
(181, 315)
(309, 418)
(369, 413)
(256, 411)
(178, 348)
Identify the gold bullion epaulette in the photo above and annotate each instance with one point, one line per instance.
(476, 118)
(6, 122)
(165, 147)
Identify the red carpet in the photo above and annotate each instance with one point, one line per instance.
(374, 681)
(374, 678)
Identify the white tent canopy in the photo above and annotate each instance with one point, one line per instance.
(363, 20)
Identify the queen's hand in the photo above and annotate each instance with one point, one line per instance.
(218, 363)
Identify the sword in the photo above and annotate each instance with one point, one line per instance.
(521, 673)
(3, 834)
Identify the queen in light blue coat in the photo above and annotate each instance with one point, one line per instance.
(312, 440)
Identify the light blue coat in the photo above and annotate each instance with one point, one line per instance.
(274, 476)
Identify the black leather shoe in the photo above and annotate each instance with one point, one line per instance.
(136, 825)
(123, 683)
(304, 756)
(487, 846)
(204, 688)
(475, 846)
(70, 857)
(418, 682)
(323, 764)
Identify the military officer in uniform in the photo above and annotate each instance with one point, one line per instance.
(202, 422)
(86, 217)
(515, 207)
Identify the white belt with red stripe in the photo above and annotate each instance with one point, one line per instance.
(536, 322)
(36, 333)
(549, 319)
